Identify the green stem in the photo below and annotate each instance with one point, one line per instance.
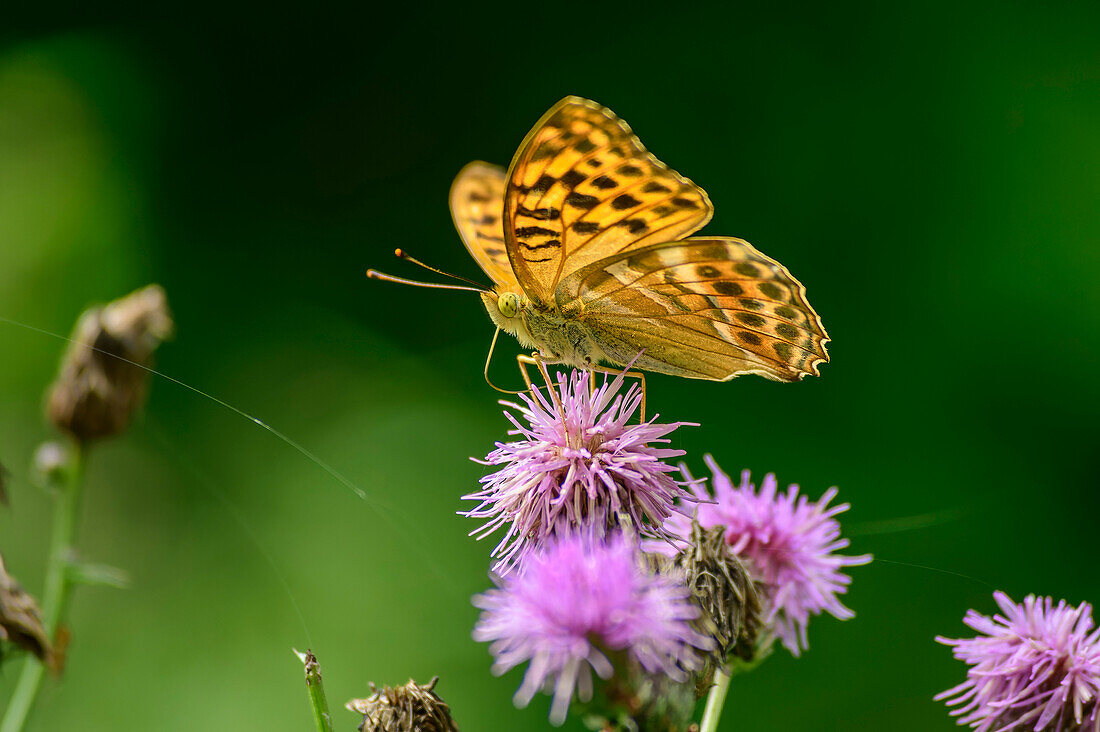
(716, 699)
(316, 690)
(56, 594)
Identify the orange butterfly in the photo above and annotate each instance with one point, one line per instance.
(584, 238)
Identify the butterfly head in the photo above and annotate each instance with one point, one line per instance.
(506, 309)
(508, 304)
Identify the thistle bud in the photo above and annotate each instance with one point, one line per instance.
(410, 708)
(102, 381)
(720, 584)
(20, 618)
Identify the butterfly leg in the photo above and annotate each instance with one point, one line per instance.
(536, 359)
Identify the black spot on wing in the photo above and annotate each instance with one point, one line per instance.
(625, 201)
(539, 214)
(573, 178)
(787, 330)
(586, 227)
(749, 337)
(552, 244)
(713, 251)
(543, 184)
(524, 232)
(604, 183)
(634, 226)
(580, 200)
(771, 289)
(544, 151)
(786, 312)
(585, 146)
(750, 319)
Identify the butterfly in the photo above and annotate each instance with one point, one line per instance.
(587, 238)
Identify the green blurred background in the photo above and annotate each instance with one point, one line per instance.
(932, 173)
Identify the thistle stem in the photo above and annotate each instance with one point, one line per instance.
(716, 699)
(321, 717)
(56, 593)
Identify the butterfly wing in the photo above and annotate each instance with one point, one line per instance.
(582, 187)
(708, 308)
(477, 205)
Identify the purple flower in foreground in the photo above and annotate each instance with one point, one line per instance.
(575, 603)
(790, 544)
(582, 473)
(1035, 667)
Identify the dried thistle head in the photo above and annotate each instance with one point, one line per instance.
(410, 708)
(722, 587)
(21, 619)
(102, 381)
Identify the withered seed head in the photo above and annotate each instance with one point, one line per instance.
(410, 708)
(20, 618)
(99, 387)
(720, 584)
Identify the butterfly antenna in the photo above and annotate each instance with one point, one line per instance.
(492, 347)
(402, 254)
(376, 275)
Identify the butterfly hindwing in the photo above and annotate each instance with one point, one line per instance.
(477, 205)
(709, 307)
(582, 187)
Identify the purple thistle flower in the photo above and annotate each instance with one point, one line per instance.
(789, 543)
(580, 474)
(576, 602)
(1037, 666)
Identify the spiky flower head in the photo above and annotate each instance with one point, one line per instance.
(1035, 667)
(410, 708)
(579, 605)
(789, 543)
(580, 467)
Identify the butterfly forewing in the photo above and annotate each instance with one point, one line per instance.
(582, 187)
(705, 307)
(477, 205)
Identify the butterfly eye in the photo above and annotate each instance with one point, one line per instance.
(508, 303)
